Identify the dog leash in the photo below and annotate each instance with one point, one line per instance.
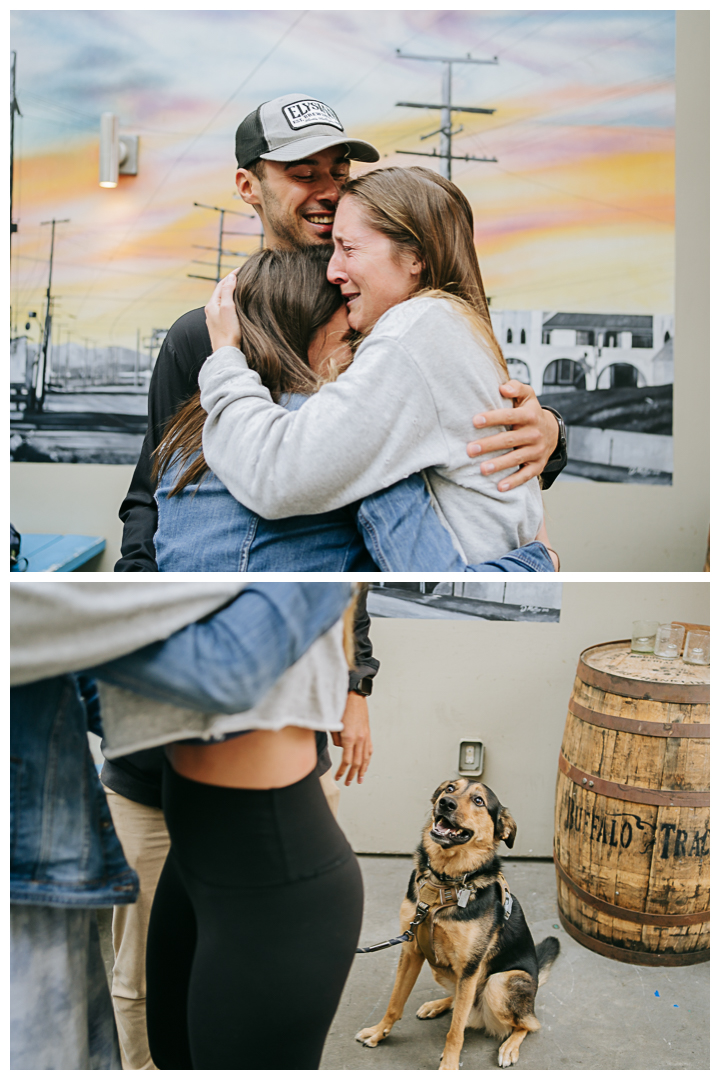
(421, 914)
(460, 897)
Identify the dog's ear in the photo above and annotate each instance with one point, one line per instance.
(505, 828)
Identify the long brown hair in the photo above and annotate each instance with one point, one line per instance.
(424, 214)
(282, 299)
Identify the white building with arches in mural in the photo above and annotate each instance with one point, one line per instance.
(614, 374)
(557, 351)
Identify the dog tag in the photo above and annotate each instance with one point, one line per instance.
(463, 897)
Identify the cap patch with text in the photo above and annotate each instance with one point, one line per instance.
(302, 114)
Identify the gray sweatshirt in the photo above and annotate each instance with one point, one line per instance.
(310, 694)
(405, 405)
(62, 627)
(58, 627)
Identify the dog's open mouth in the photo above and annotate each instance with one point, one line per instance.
(445, 833)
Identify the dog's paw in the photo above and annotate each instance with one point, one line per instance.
(448, 1065)
(508, 1054)
(371, 1036)
(434, 1008)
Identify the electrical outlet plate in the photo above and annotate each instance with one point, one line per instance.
(472, 758)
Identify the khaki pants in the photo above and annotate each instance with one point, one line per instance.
(145, 841)
(331, 791)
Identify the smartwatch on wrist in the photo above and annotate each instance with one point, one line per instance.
(363, 688)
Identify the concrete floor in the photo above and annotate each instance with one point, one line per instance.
(596, 1013)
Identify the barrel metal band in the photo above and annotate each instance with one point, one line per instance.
(670, 693)
(646, 796)
(644, 917)
(639, 727)
(630, 956)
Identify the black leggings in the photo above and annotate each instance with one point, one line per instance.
(253, 927)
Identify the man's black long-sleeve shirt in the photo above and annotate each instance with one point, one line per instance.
(174, 380)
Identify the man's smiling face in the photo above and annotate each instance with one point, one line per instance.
(297, 200)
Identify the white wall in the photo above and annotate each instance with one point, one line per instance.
(81, 499)
(507, 684)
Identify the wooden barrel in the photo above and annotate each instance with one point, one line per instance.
(632, 808)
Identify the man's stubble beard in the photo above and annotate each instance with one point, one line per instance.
(287, 230)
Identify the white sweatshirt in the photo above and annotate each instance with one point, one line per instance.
(404, 405)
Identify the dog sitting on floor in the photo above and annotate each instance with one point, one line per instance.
(464, 921)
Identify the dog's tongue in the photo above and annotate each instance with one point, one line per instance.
(442, 826)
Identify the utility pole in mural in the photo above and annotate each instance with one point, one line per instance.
(14, 111)
(219, 248)
(37, 394)
(446, 108)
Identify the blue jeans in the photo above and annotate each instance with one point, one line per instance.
(60, 1011)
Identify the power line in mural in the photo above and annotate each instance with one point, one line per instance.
(445, 155)
(219, 250)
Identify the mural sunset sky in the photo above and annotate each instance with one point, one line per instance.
(577, 214)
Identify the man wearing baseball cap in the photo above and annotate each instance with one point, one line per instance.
(293, 159)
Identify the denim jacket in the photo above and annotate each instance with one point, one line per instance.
(63, 848)
(204, 528)
(402, 531)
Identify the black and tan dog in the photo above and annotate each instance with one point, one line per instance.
(468, 927)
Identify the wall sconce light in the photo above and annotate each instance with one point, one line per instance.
(118, 155)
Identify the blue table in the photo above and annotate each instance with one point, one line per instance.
(46, 552)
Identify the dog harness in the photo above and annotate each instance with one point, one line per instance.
(434, 896)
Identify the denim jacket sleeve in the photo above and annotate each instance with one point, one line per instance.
(402, 532)
(228, 662)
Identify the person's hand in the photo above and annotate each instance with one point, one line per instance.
(221, 315)
(355, 739)
(533, 437)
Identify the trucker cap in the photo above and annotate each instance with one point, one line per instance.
(292, 127)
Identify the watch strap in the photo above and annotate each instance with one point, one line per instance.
(558, 460)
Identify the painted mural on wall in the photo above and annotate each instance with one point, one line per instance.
(490, 601)
(571, 179)
(610, 376)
